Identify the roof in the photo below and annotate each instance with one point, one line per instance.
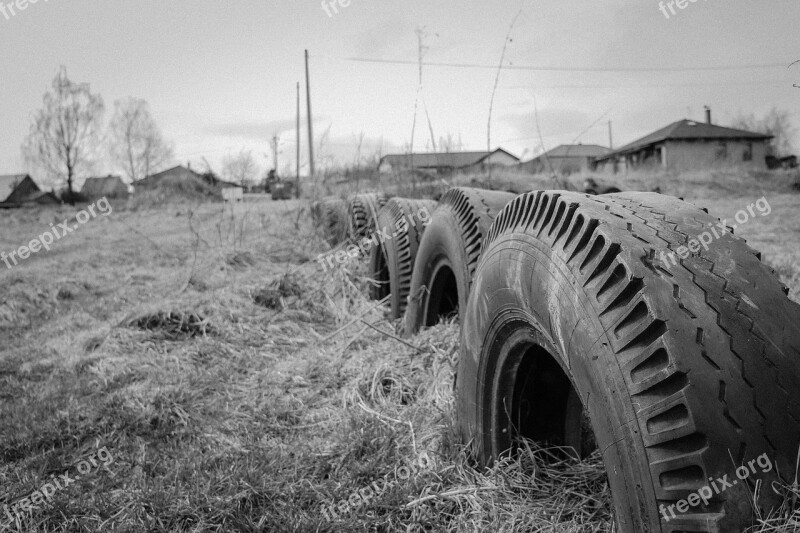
(8, 183)
(103, 186)
(576, 150)
(42, 197)
(176, 171)
(441, 159)
(688, 130)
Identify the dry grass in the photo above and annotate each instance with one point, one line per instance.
(240, 388)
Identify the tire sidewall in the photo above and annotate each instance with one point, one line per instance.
(441, 246)
(519, 285)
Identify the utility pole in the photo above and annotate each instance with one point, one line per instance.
(610, 137)
(275, 140)
(297, 175)
(310, 128)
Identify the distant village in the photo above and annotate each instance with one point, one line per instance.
(680, 146)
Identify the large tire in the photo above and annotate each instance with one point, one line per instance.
(330, 217)
(449, 253)
(363, 212)
(687, 369)
(400, 227)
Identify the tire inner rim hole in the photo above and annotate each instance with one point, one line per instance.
(443, 298)
(547, 409)
(382, 282)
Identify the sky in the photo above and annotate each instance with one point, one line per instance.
(221, 77)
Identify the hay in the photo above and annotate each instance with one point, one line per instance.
(173, 325)
(264, 420)
(273, 296)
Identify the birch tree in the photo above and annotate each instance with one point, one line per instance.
(65, 134)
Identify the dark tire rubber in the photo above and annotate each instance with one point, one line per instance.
(362, 214)
(402, 222)
(687, 369)
(330, 217)
(448, 254)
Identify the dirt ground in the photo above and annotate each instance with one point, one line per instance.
(237, 386)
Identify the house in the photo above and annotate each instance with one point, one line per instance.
(108, 187)
(565, 159)
(178, 173)
(446, 162)
(182, 174)
(686, 145)
(17, 188)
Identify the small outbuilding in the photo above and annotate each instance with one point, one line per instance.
(17, 188)
(108, 187)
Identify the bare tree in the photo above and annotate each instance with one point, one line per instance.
(240, 168)
(776, 122)
(64, 134)
(136, 144)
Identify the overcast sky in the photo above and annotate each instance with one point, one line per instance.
(220, 76)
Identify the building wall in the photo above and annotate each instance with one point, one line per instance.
(693, 155)
(683, 155)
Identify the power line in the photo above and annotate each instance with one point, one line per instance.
(568, 69)
(649, 86)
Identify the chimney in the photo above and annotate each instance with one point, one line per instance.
(708, 114)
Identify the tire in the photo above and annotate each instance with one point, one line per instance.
(400, 227)
(362, 214)
(315, 209)
(448, 254)
(331, 215)
(686, 368)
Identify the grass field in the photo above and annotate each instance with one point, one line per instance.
(238, 387)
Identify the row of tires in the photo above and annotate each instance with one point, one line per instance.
(600, 322)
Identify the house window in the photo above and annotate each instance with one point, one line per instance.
(722, 151)
(748, 152)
